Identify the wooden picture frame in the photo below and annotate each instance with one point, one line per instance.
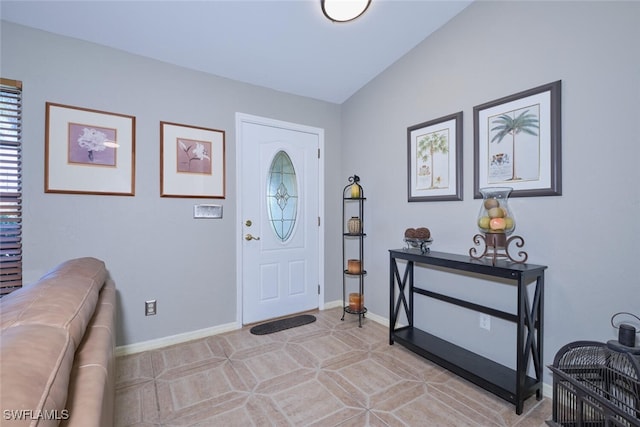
(434, 160)
(192, 161)
(531, 164)
(89, 151)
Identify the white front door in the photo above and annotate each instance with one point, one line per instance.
(279, 202)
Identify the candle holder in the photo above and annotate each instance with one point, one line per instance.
(356, 189)
(354, 225)
(496, 223)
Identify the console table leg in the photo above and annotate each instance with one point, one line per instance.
(393, 269)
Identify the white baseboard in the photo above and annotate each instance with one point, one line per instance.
(193, 335)
(175, 339)
(331, 304)
(189, 336)
(378, 319)
(547, 389)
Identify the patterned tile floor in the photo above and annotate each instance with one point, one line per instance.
(327, 373)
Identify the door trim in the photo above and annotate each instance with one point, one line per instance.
(247, 118)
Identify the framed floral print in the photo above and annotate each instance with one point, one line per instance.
(89, 151)
(192, 161)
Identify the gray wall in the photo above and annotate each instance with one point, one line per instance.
(152, 246)
(588, 236)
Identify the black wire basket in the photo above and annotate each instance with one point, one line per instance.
(595, 385)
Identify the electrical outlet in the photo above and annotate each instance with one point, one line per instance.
(150, 308)
(485, 321)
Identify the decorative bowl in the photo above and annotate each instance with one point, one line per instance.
(422, 244)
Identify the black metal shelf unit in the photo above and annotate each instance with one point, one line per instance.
(353, 202)
(513, 385)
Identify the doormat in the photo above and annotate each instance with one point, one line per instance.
(282, 324)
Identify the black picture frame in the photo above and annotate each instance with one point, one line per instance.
(435, 175)
(533, 116)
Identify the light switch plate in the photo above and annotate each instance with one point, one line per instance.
(207, 211)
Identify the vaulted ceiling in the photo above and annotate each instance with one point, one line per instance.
(286, 45)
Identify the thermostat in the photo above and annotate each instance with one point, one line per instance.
(207, 211)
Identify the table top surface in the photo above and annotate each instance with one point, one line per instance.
(465, 262)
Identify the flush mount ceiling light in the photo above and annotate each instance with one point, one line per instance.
(344, 10)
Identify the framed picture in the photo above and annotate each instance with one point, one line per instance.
(434, 156)
(89, 151)
(517, 143)
(191, 161)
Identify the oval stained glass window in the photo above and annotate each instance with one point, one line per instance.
(282, 195)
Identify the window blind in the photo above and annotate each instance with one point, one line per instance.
(10, 185)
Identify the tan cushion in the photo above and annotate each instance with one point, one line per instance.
(42, 325)
(65, 297)
(92, 391)
(36, 361)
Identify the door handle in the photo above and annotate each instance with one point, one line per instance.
(248, 236)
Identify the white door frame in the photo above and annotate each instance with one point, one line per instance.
(247, 118)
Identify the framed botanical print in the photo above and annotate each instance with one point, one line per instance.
(517, 143)
(434, 159)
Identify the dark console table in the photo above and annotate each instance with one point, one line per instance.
(514, 386)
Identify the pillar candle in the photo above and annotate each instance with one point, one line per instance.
(355, 191)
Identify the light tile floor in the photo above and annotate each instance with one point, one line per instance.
(327, 373)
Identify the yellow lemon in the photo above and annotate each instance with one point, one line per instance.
(483, 222)
(508, 223)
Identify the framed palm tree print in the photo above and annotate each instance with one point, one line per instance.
(517, 143)
(434, 155)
